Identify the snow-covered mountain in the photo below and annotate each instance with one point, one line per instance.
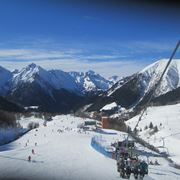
(77, 82)
(151, 74)
(35, 86)
(91, 82)
(134, 90)
(56, 79)
(49, 90)
(31, 73)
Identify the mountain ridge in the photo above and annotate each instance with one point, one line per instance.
(53, 90)
(77, 82)
(133, 91)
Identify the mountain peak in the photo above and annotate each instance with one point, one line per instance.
(90, 72)
(160, 65)
(33, 68)
(32, 65)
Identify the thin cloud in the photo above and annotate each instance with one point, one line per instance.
(119, 59)
(143, 46)
(107, 69)
(30, 54)
(25, 54)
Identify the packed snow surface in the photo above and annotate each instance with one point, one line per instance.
(63, 152)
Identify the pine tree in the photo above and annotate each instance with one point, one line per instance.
(156, 129)
(151, 125)
(146, 127)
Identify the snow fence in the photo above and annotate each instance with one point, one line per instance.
(101, 145)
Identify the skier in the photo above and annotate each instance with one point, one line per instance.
(151, 163)
(33, 151)
(29, 158)
(156, 162)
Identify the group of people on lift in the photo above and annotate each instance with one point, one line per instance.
(127, 165)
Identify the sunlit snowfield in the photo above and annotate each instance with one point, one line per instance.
(166, 118)
(66, 155)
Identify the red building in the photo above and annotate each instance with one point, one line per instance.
(105, 122)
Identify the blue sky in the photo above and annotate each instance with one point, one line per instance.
(106, 36)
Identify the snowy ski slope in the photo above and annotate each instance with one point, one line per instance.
(63, 153)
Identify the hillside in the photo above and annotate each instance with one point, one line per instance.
(9, 106)
(133, 92)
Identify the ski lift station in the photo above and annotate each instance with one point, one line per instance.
(89, 125)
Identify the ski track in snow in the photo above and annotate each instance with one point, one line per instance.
(65, 156)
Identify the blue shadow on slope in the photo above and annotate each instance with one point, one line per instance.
(98, 147)
(8, 144)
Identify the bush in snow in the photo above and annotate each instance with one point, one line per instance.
(33, 125)
(38, 115)
(146, 127)
(155, 129)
